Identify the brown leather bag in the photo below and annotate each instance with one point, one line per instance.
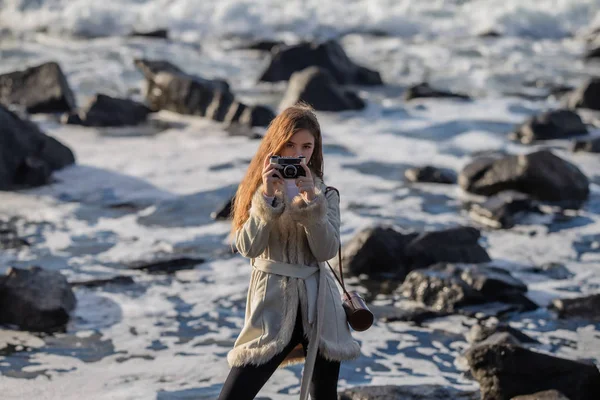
(359, 317)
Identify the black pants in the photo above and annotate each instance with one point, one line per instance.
(243, 383)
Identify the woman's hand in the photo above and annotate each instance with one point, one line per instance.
(271, 177)
(306, 184)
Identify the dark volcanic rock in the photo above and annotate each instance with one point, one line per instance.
(593, 53)
(328, 55)
(115, 280)
(261, 45)
(169, 88)
(455, 245)
(104, 111)
(416, 315)
(168, 265)
(489, 34)
(417, 392)
(499, 338)
(382, 252)
(317, 87)
(40, 89)
(224, 212)
(423, 90)
(447, 287)
(479, 333)
(581, 307)
(157, 34)
(28, 156)
(556, 124)
(255, 116)
(152, 67)
(588, 145)
(430, 174)
(504, 210)
(545, 395)
(375, 251)
(542, 175)
(551, 270)
(9, 237)
(587, 95)
(35, 299)
(505, 371)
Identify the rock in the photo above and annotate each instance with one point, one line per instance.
(587, 307)
(552, 270)
(505, 371)
(169, 88)
(542, 175)
(479, 333)
(167, 265)
(328, 55)
(317, 87)
(256, 116)
(35, 299)
(242, 130)
(589, 145)
(423, 90)
(9, 237)
(261, 45)
(545, 395)
(587, 95)
(150, 68)
(105, 111)
(447, 287)
(40, 89)
(494, 309)
(376, 251)
(416, 315)
(430, 174)
(499, 338)
(71, 119)
(416, 392)
(556, 124)
(28, 156)
(224, 212)
(382, 252)
(559, 91)
(503, 210)
(157, 33)
(489, 34)
(592, 53)
(115, 280)
(456, 245)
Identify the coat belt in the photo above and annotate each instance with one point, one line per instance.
(308, 274)
(284, 269)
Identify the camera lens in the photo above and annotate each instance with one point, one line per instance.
(289, 171)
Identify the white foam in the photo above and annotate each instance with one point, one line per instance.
(544, 18)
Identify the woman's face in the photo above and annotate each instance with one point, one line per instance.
(302, 143)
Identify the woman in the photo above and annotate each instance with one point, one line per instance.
(289, 228)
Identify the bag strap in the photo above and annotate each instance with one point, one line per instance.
(341, 278)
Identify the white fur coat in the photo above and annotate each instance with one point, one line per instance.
(290, 231)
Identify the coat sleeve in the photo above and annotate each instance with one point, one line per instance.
(321, 221)
(252, 238)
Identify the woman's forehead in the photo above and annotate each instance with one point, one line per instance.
(303, 136)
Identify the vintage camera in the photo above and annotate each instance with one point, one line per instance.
(291, 166)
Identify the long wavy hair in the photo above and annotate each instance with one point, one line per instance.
(280, 131)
